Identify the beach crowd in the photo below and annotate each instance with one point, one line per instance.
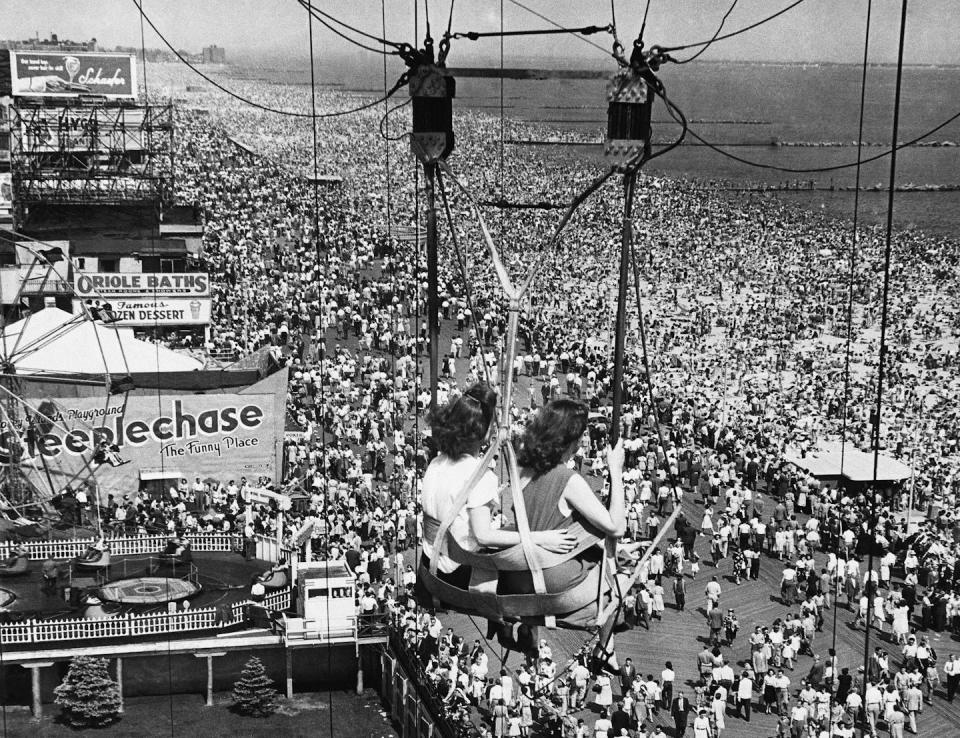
(747, 373)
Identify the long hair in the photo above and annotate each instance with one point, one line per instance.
(549, 433)
(464, 420)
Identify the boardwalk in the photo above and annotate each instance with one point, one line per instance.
(681, 635)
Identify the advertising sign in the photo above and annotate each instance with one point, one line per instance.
(142, 284)
(6, 195)
(147, 311)
(58, 74)
(82, 130)
(144, 299)
(224, 435)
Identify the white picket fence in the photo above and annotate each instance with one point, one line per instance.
(127, 546)
(131, 626)
(267, 548)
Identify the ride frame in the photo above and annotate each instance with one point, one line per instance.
(627, 148)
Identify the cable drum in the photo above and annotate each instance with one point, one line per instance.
(628, 118)
(432, 89)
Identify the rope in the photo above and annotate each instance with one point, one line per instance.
(316, 241)
(715, 35)
(461, 261)
(833, 168)
(143, 53)
(849, 341)
(552, 22)
(583, 30)
(316, 13)
(292, 113)
(643, 24)
(676, 114)
(882, 353)
(734, 33)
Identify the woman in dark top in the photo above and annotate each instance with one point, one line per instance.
(556, 497)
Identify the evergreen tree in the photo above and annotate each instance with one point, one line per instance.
(87, 695)
(253, 692)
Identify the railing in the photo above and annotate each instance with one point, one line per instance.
(413, 697)
(128, 626)
(123, 545)
(278, 601)
(267, 548)
(373, 625)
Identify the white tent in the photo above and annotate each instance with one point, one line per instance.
(53, 341)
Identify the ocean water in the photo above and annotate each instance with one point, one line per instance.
(755, 104)
(747, 107)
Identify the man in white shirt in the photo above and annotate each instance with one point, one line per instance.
(744, 696)
(872, 704)
(580, 676)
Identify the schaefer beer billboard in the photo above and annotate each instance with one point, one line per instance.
(144, 299)
(59, 74)
(224, 435)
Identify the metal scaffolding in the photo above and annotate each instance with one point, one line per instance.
(78, 151)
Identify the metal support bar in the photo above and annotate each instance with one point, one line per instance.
(629, 182)
(433, 282)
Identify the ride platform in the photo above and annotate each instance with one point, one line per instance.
(222, 578)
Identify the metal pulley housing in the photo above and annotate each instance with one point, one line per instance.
(630, 102)
(432, 90)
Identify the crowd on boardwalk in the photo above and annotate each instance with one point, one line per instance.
(744, 305)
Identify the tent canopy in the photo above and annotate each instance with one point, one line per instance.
(53, 341)
(857, 466)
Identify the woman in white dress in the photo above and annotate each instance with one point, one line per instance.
(604, 697)
(701, 726)
(603, 727)
(706, 525)
(901, 623)
(460, 429)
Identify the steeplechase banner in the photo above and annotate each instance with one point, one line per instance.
(60, 74)
(151, 434)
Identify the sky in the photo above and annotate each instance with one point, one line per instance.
(816, 30)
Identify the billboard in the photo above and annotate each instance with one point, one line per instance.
(50, 130)
(142, 284)
(58, 74)
(6, 196)
(149, 299)
(225, 435)
(161, 311)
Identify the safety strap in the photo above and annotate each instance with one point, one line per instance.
(512, 558)
(523, 527)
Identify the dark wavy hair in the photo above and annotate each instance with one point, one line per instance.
(550, 432)
(464, 420)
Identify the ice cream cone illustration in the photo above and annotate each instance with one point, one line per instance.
(72, 65)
